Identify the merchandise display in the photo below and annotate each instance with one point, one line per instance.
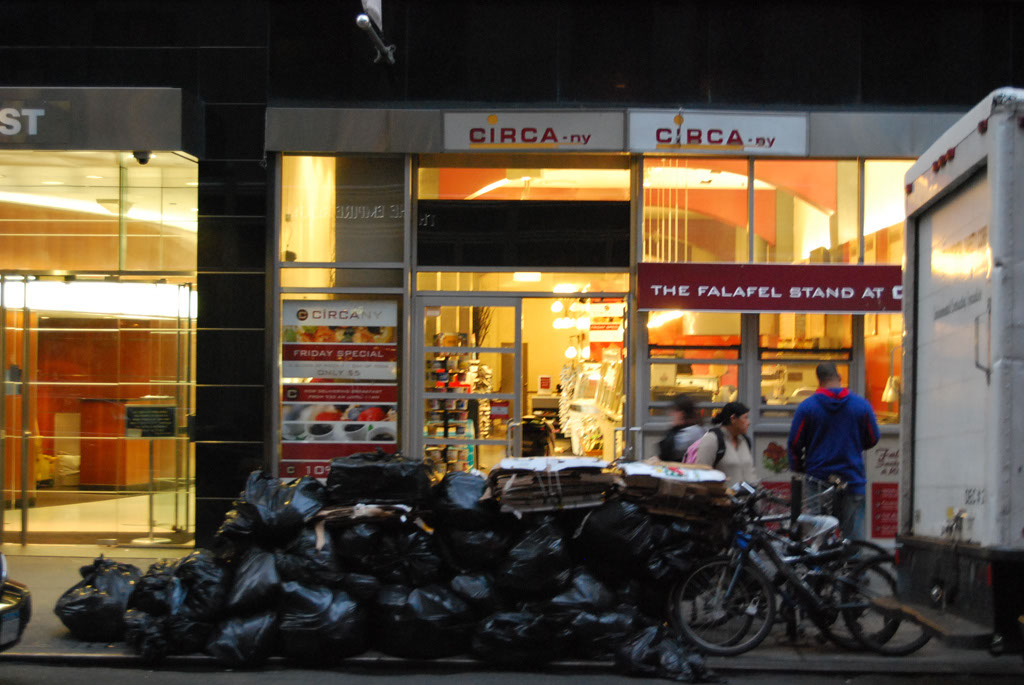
(416, 569)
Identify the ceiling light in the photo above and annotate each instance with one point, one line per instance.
(53, 183)
(526, 276)
(565, 288)
(488, 188)
(94, 177)
(557, 306)
(585, 352)
(571, 352)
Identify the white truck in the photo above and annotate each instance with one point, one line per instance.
(961, 552)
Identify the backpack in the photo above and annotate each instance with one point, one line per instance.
(691, 451)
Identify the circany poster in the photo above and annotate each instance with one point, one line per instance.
(342, 340)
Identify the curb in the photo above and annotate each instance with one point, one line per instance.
(839, 664)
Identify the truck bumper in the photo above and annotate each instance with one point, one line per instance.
(964, 594)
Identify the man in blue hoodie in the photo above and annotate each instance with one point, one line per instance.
(830, 431)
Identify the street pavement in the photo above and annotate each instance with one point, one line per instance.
(46, 643)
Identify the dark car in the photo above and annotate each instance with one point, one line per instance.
(15, 608)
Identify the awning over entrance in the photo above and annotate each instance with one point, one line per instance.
(100, 119)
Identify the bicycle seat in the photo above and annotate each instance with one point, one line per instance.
(813, 529)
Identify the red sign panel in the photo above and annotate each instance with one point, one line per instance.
(771, 287)
(339, 352)
(885, 509)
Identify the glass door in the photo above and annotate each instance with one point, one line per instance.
(98, 385)
(468, 381)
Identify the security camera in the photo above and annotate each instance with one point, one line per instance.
(142, 156)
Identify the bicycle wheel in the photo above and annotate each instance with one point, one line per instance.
(876, 630)
(829, 584)
(724, 610)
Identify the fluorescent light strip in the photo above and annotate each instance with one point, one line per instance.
(148, 300)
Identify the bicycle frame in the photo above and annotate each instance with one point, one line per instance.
(759, 541)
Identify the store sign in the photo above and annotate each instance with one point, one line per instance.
(25, 121)
(320, 421)
(717, 133)
(881, 465)
(150, 420)
(489, 130)
(351, 339)
(844, 288)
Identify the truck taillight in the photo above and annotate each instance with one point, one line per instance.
(983, 126)
(951, 153)
(910, 188)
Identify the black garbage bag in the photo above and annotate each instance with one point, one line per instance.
(94, 608)
(186, 633)
(478, 590)
(355, 545)
(647, 597)
(256, 583)
(244, 642)
(616, 539)
(377, 477)
(671, 563)
(158, 592)
(456, 502)
(399, 555)
(600, 635)
(586, 593)
(206, 582)
(656, 653)
(147, 636)
(426, 623)
(309, 559)
(318, 624)
(364, 588)
(521, 638)
(279, 510)
(538, 564)
(234, 536)
(471, 550)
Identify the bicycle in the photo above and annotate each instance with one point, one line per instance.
(727, 605)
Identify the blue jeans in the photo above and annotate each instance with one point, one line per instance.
(851, 515)
(850, 508)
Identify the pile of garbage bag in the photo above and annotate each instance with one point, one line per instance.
(302, 570)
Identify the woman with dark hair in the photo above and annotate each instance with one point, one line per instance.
(684, 432)
(727, 447)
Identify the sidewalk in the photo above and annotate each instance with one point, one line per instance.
(46, 639)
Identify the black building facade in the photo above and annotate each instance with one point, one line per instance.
(238, 58)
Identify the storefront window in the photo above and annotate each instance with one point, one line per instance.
(883, 364)
(341, 210)
(97, 210)
(806, 211)
(695, 210)
(564, 284)
(791, 346)
(693, 353)
(98, 362)
(884, 211)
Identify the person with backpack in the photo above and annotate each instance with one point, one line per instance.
(685, 430)
(726, 447)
